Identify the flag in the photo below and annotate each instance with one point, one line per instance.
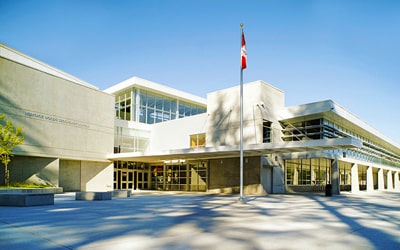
(243, 52)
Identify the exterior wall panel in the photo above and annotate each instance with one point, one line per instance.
(61, 119)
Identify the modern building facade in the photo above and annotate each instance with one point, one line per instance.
(68, 125)
(142, 135)
(287, 149)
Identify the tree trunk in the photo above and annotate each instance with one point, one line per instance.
(6, 175)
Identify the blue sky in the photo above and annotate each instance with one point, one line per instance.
(344, 50)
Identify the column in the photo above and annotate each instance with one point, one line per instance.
(396, 181)
(335, 180)
(296, 175)
(389, 180)
(136, 108)
(370, 179)
(381, 180)
(355, 187)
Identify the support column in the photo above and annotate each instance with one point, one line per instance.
(370, 179)
(381, 180)
(396, 181)
(389, 180)
(335, 180)
(355, 187)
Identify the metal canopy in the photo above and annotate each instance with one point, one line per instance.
(233, 151)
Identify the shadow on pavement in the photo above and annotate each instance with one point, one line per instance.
(190, 221)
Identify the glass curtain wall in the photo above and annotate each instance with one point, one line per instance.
(371, 151)
(179, 177)
(314, 171)
(345, 172)
(345, 175)
(149, 107)
(130, 140)
(362, 177)
(155, 108)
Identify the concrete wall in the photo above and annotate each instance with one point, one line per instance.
(39, 170)
(261, 101)
(68, 125)
(175, 134)
(86, 175)
(97, 176)
(70, 175)
(61, 119)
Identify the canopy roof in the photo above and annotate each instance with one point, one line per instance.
(234, 151)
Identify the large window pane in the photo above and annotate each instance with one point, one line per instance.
(143, 115)
(143, 99)
(150, 115)
(167, 105)
(150, 101)
(173, 107)
(159, 103)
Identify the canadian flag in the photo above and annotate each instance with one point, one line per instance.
(243, 52)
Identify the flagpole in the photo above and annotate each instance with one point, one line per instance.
(241, 200)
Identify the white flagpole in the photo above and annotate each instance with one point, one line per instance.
(241, 200)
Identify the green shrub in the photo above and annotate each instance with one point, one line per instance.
(26, 185)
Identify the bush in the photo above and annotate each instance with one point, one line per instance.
(26, 185)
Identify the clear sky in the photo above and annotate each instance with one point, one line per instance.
(344, 50)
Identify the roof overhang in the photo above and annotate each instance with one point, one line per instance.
(234, 151)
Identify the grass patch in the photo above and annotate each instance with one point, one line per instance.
(26, 185)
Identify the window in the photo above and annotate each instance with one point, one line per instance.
(130, 140)
(307, 171)
(198, 140)
(266, 131)
(123, 103)
(345, 173)
(149, 107)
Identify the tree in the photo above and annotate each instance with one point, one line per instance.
(10, 137)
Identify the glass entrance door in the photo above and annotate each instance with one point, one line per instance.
(131, 175)
(141, 179)
(123, 179)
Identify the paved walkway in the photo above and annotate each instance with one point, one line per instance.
(199, 221)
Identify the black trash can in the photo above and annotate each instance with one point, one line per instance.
(328, 190)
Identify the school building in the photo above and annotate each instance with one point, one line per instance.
(142, 135)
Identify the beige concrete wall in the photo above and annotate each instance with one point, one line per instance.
(70, 175)
(261, 101)
(97, 176)
(175, 134)
(38, 170)
(61, 119)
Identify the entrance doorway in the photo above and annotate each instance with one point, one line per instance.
(191, 176)
(131, 175)
(123, 179)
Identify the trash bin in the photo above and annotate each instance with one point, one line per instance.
(328, 190)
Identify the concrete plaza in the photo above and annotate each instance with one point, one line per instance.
(203, 221)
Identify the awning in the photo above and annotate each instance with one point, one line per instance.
(234, 151)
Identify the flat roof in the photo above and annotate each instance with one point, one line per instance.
(234, 151)
(19, 57)
(157, 88)
(336, 113)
